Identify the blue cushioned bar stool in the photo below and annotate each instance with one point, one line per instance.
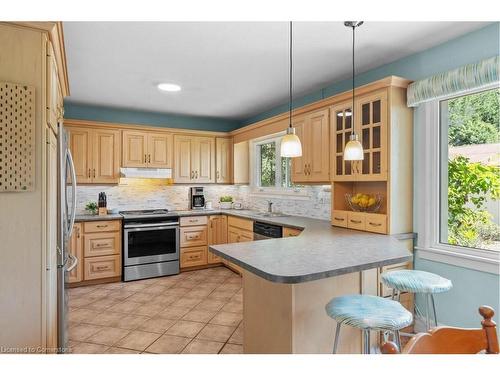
(368, 313)
(415, 281)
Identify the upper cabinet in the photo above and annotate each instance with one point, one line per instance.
(314, 165)
(96, 154)
(223, 147)
(371, 123)
(54, 96)
(194, 159)
(147, 149)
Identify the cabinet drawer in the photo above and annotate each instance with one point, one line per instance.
(291, 232)
(212, 258)
(194, 220)
(376, 223)
(193, 256)
(102, 267)
(238, 235)
(339, 218)
(384, 290)
(356, 220)
(101, 226)
(193, 236)
(240, 223)
(97, 244)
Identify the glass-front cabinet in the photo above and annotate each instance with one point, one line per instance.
(370, 124)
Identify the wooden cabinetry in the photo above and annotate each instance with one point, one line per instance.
(223, 172)
(143, 149)
(54, 96)
(194, 240)
(384, 125)
(76, 249)
(102, 250)
(217, 234)
(314, 165)
(96, 154)
(291, 232)
(371, 126)
(194, 159)
(238, 230)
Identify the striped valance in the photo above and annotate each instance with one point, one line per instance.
(453, 82)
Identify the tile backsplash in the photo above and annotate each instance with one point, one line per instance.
(137, 194)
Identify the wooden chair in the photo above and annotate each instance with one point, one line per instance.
(453, 340)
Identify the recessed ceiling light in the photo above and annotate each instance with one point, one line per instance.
(170, 87)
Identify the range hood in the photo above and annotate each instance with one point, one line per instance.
(146, 172)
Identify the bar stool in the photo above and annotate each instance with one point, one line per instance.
(368, 313)
(415, 281)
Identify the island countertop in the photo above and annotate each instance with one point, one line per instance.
(320, 251)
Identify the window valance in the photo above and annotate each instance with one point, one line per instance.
(454, 82)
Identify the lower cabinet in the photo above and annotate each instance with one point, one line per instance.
(291, 232)
(98, 247)
(238, 230)
(217, 235)
(193, 241)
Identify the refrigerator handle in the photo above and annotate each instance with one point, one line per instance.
(73, 192)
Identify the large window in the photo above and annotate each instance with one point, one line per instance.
(470, 173)
(271, 170)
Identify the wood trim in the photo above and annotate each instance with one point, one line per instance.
(56, 35)
(142, 127)
(279, 122)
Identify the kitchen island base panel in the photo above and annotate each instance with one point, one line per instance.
(291, 318)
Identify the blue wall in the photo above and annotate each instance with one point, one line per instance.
(126, 116)
(468, 48)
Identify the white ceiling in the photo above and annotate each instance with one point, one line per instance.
(230, 70)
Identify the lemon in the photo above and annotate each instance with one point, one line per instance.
(371, 201)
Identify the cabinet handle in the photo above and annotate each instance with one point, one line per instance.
(102, 268)
(305, 168)
(218, 175)
(100, 245)
(102, 226)
(149, 158)
(145, 158)
(77, 232)
(192, 175)
(94, 172)
(375, 224)
(196, 174)
(89, 172)
(193, 220)
(339, 218)
(193, 237)
(356, 221)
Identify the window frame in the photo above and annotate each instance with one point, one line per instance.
(428, 198)
(255, 176)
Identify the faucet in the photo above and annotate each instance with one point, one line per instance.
(269, 206)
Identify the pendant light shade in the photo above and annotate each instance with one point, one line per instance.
(290, 144)
(291, 147)
(353, 150)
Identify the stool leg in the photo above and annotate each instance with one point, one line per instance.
(336, 342)
(397, 338)
(366, 341)
(427, 312)
(434, 309)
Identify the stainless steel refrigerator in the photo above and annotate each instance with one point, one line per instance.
(66, 218)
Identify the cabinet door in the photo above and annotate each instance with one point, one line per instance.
(80, 146)
(371, 126)
(299, 164)
(183, 171)
(203, 159)
(340, 130)
(160, 150)
(76, 249)
(318, 145)
(134, 149)
(106, 156)
(214, 236)
(233, 235)
(223, 160)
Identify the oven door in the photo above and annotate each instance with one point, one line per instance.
(150, 244)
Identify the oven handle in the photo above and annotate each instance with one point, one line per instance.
(149, 228)
(152, 225)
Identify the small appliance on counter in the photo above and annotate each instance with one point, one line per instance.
(196, 198)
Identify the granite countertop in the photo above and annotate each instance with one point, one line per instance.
(320, 251)
(88, 217)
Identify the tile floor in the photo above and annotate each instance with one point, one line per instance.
(194, 312)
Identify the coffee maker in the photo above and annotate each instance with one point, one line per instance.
(196, 198)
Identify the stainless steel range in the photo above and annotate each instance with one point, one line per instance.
(150, 244)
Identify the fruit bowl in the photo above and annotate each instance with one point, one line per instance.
(364, 202)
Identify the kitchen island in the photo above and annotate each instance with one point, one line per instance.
(288, 281)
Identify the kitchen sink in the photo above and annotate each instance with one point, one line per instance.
(270, 214)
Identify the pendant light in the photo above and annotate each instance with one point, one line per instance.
(290, 143)
(353, 149)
